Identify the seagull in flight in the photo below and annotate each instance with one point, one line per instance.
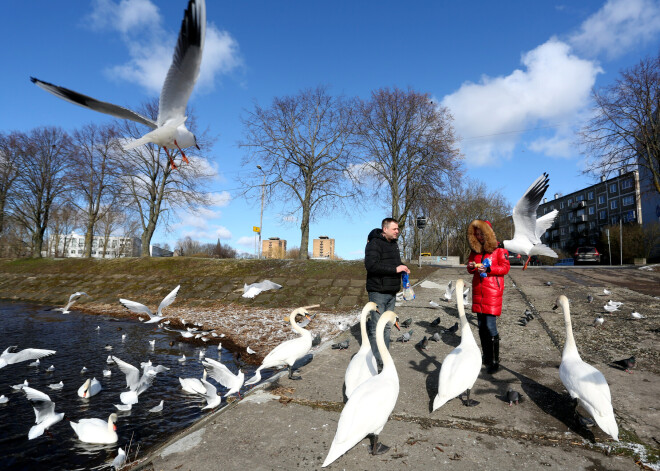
(72, 299)
(9, 358)
(141, 308)
(169, 130)
(528, 229)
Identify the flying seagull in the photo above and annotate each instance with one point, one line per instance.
(528, 230)
(169, 131)
(9, 358)
(141, 308)
(72, 299)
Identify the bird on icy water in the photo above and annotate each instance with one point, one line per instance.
(169, 130)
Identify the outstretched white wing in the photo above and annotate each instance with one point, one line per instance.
(169, 299)
(135, 307)
(544, 222)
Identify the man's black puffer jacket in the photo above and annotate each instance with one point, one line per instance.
(381, 258)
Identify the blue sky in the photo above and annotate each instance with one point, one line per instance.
(516, 75)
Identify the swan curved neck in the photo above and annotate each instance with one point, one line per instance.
(363, 326)
(569, 345)
(380, 342)
(295, 326)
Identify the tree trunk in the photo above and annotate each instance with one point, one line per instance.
(304, 237)
(89, 237)
(37, 242)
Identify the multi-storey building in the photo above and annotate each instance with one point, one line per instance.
(323, 247)
(273, 247)
(584, 213)
(73, 245)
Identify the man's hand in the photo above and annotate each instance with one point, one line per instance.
(401, 268)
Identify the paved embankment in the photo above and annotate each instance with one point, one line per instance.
(290, 424)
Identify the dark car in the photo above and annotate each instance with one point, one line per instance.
(586, 254)
(516, 259)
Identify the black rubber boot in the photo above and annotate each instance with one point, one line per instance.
(494, 365)
(486, 348)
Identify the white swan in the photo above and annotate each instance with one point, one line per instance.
(460, 369)
(8, 357)
(288, 352)
(223, 375)
(141, 308)
(134, 382)
(72, 299)
(363, 364)
(44, 410)
(96, 430)
(90, 388)
(527, 236)
(193, 385)
(583, 381)
(370, 405)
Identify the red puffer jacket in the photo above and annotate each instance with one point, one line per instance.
(487, 292)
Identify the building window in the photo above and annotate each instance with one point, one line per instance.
(626, 184)
(614, 220)
(602, 214)
(612, 187)
(592, 224)
(590, 195)
(581, 227)
(592, 210)
(561, 205)
(73, 251)
(629, 216)
(601, 199)
(579, 198)
(562, 218)
(570, 201)
(628, 200)
(614, 204)
(552, 207)
(563, 230)
(580, 212)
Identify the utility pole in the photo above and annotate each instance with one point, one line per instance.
(261, 216)
(620, 242)
(421, 224)
(609, 246)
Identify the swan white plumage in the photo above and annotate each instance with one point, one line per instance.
(527, 236)
(8, 357)
(90, 388)
(363, 364)
(72, 299)
(288, 352)
(193, 385)
(136, 383)
(141, 308)
(96, 430)
(583, 381)
(223, 375)
(44, 410)
(370, 405)
(460, 368)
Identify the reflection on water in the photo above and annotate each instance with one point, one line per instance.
(79, 344)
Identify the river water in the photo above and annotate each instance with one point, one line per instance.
(79, 344)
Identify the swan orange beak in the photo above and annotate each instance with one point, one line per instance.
(114, 427)
(396, 324)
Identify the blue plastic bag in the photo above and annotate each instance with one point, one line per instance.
(408, 293)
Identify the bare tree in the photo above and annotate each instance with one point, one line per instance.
(153, 186)
(109, 222)
(95, 183)
(42, 179)
(409, 146)
(64, 219)
(625, 129)
(9, 152)
(303, 144)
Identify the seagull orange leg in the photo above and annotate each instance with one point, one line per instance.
(183, 156)
(170, 157)
(525, 266)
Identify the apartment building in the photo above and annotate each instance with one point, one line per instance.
(323, 247)
(273, 247)
(73, 245)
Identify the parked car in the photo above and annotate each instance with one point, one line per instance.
(516, 259)
(586, 254)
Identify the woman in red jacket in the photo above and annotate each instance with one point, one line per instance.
(487, 287)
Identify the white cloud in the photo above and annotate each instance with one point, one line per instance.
(552, 87)
(150, 46)
(219, 232)
(246, 241)
(618, 27)
(221, 199)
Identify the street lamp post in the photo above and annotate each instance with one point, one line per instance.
(261, 216)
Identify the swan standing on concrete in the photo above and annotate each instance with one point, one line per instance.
(288, 352)
(90, 388)
(370, 405)
(141, 308)
(363, 364)
(72, 299)
(44, 410)
(9, 358)
(584, 382)
(222, 374)
(527, 237)
(96, 430)
(137, 384)
(460, 369)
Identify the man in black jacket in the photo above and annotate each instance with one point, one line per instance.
(384, 267)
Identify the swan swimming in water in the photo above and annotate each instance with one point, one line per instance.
(370, 405)
(363, 364)
(96, 430)
(90, 388)
(584, 382)
(460, 369)
(288, 352)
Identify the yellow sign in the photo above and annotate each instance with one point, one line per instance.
(256, 229)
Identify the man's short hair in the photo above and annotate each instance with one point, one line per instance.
(386, 222)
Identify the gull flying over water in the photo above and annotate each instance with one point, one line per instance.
(72, 299)
(136, 383)
(528, 229)
(44, 410)
(222, 374)
(169, 130)
(141, 308)
(8, 357)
